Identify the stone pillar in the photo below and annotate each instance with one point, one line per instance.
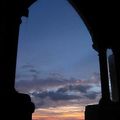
(116, 52)
(13, 105)
(9, 40)
(104, 76)
(11, 12)
(113, 78)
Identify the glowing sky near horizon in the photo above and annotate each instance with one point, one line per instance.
(60, 113)
(56, 64)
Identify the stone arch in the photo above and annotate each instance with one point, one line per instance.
(99, 20)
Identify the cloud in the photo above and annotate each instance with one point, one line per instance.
(64, 95)
(38, 84)
(27, 66)
(56, 96)
(56, 90)
(75, 88)
(92, 95)
(34, 71)
(56, 75)
(27, 72)
(95, 78)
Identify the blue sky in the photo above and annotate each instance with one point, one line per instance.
(54, 39)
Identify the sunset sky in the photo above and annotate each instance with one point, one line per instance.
(56, 64)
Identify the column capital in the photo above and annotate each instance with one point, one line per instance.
(99, 48)
(116, 50)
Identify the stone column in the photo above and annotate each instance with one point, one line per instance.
(116, 52)
(113, 78)
(11, 12)
(104, 76)
(19, 104)
(9, 40)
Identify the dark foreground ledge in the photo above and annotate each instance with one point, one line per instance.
(103, 112)
(16, 106)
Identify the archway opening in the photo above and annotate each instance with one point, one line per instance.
(56, 64)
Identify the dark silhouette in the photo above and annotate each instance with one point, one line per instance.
(13, 105)
(102, 22)
(113, 76)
